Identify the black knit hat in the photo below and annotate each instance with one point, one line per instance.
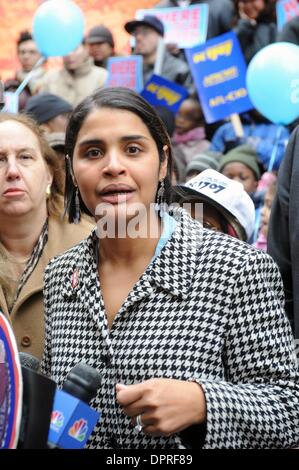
(99, 34)
(45, 107)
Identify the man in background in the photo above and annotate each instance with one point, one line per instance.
(100, 44)
(28, 56)
(147, 33)
(78, 77)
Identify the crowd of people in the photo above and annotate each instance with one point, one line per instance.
(134, 240)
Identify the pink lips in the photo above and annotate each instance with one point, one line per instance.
(10, 192)
(116, 193)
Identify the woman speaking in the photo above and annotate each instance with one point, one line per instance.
(185, 325)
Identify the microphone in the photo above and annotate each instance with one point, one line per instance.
(38, 396)
(72, 420)
(29, 361)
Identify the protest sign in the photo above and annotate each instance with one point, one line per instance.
(126, 72)
(285, 11)
(162, 92)
(219, 72)
(184, 26)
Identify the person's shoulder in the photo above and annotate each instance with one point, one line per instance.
(171, 59)
(69, 257)
(239, 256)
(52, 75)
(63, 231)
(99, 71)
(212, 245)
(67, 240)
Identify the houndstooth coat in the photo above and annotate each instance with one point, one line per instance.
(208, 309)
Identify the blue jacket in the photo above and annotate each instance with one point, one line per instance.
(262, 137)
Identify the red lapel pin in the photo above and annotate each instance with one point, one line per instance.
(75, 278)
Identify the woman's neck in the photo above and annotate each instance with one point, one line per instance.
(20, 234)
(123, 251)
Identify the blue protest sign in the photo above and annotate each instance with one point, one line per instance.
(219, 72)
(162, 92)
(184, 26)
(285, 11)
(126, 72)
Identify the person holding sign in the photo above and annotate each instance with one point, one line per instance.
(28, 55)
(185, 324)
(147, 33)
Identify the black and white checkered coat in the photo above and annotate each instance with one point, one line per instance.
(208, 309)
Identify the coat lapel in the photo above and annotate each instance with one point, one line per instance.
(3, 304)
(60, 238)
(171, 271)
(174, 268)
(81, 272)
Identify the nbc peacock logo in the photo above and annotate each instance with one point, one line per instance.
(57, 420)
(79, 429)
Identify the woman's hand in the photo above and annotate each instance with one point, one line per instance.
(166, 406)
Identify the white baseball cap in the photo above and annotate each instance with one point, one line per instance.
(228, 196)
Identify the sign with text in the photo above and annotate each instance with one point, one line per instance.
(11, 100)
(219, 72)
(126, 72)
(285, 11)
(184, 26)
(161, 92)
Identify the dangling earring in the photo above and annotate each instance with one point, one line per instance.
(48, 191)
(160, 198)
(77, 216)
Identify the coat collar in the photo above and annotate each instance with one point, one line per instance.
(172, 270)
(61, 236)
(81, 71)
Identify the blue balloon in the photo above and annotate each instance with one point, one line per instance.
(58, 27)
(273, 82)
